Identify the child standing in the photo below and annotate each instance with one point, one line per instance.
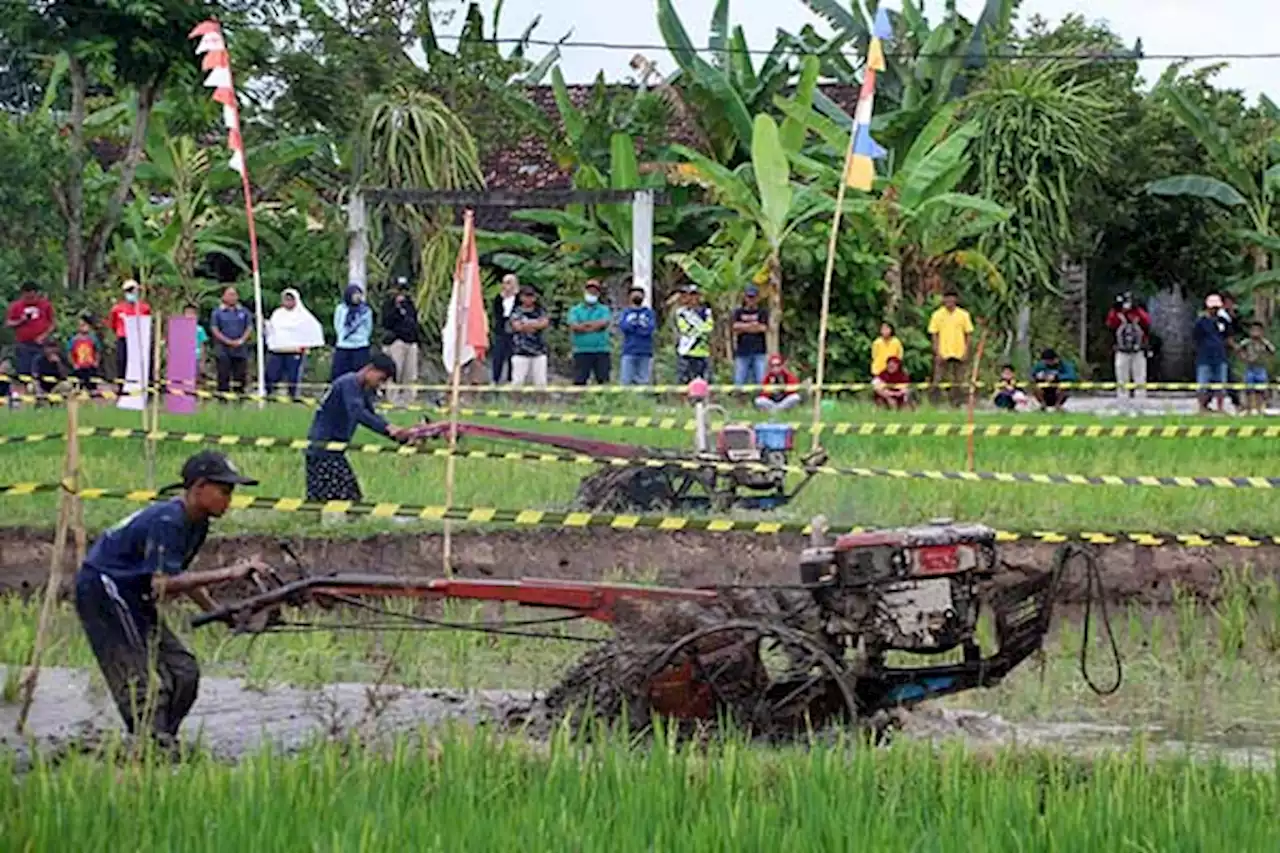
(1256, 352)
(84, 354)
(202, 337)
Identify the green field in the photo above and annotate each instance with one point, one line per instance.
(543, 485)
(463, 791)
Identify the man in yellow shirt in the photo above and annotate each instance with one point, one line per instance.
(950, 327)
(883, 348)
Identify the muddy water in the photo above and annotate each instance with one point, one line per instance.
(232, 720)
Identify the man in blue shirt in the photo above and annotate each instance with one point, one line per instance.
(1210, 335)
(637, 324)
(231, 325)
(141, 561)
(347, 404)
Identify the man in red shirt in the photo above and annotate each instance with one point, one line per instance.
(31, 318)
(1131, 325)
(891, 386)
(130, 305)
(782, 387)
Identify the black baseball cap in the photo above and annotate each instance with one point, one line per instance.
(382, 363)
(216, 468)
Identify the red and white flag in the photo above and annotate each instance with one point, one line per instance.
(217, 61)
(466, 328)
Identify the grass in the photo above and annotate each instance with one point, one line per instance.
(475, 792)
(119, 464)
(1194, 669)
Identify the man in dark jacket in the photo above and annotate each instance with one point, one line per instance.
(504, 302)
(403, 334)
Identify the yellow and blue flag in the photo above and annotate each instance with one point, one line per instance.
(865, 150)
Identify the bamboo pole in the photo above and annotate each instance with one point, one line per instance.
(826, 301)
(152, 379)
(68, 509)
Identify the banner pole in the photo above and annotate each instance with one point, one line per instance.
(826, 302)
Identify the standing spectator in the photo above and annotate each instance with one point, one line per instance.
(883, 348)
(1048, 373)
(49, 367)
(781, 387)
(403, 334)
(353, 323)
(291, 331)
(31, 318)
(694, 325)
(1009, 396)
(528, 346)
(892, 385)
(1132, 327)
(951, 327)
(589, 323)
(232, 326)
(504, 302)
(130, 304)
(637, 324)
(192, 312)
(1210, 336)
(1256, 352)
(84, 354)
(750, 322)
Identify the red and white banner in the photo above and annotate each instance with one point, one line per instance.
(466, 328)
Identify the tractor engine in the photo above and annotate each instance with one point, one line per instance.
(913, 589)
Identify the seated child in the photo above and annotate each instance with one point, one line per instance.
(786, 395)
(891, 386)
(1008, 395)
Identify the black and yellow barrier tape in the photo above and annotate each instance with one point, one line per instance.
(624, 521)
(827, 388)
(685, 463)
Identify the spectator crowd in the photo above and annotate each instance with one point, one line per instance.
(519, 354)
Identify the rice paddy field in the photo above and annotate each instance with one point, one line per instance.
(1202, 673)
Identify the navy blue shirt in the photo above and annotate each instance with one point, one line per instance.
(637, 326)
(1211, 341)
(232, 323)
(345, 406)
(160, 539)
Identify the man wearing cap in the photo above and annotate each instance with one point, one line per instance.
(129, 304)
(1210, 336)
(528, 322)
(31, 318)
(141, 561)
(347, 404)
(589, 323)
(637, 323)
(694, 325)
(750, 322)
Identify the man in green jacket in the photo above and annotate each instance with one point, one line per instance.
(589, 323)
(694, 325)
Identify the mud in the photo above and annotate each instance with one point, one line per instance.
(1144, 575)
(232, 721)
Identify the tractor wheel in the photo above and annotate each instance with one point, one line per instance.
(626, 490)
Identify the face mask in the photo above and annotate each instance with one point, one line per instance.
(590, 298)
(637, 300)
(131, 297)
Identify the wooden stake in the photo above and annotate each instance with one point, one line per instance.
(455, 381)
(154, 401)
(68, 507)
(973, 391)
(826, 301)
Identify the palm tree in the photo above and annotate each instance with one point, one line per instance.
(1248, 185)
(411, 140)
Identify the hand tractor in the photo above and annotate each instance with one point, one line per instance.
(874, 621)
(739, 466)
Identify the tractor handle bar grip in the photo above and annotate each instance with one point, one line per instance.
(227, 612)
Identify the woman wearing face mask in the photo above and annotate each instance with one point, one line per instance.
(130, 305)
(637, 324)
(589, 323)
(353, 321)
(291, 331)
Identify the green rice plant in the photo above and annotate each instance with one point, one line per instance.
(462, 789)
(1232, 612)
(1267, 606)
(1193, 659)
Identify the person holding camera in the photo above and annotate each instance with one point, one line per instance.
(1131, 325)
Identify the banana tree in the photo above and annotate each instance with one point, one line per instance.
(761, 193)
(923, 225)
(1247, 185)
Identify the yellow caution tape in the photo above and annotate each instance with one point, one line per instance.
(622, 521)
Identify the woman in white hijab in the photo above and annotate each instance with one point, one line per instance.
(291, 331)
